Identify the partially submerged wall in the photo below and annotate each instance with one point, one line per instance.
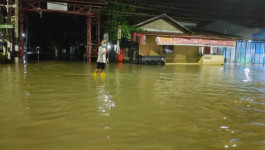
(182, 54)
(212, 60)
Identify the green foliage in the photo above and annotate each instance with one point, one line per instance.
(3, 31)
(113, 16)
(1, 19)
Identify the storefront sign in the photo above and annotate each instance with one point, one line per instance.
(57, 6)
(119, 32)
(106, 36)
(193, 42)
(6, 26)
(139, 37)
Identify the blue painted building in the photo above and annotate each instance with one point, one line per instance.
(249, 50)
(246, 52)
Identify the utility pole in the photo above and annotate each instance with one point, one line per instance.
(9, 41)
(9, 28)
(118, 41)
(8, 33)
(16, 31)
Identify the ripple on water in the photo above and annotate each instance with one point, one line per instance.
(58, 105)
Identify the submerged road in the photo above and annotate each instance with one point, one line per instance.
(62, 106)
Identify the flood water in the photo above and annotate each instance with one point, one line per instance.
(53, 105)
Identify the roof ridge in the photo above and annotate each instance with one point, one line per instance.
(163, 16)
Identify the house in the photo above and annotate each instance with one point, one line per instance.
(249, 49)
(164, 36)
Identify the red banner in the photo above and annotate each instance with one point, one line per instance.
(139, 37)
(193, 42)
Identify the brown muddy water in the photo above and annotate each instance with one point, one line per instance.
(53, 105)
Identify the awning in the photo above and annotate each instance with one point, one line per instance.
(194, 42)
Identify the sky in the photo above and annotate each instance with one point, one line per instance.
(249, 13)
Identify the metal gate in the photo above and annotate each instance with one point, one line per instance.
(250, 52)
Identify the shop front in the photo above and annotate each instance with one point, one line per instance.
(165, 37)
(249, 52)
(201, 50)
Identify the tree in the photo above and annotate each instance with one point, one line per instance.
(3, 32)
(113, 16)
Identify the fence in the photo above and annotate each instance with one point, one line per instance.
(250, 52)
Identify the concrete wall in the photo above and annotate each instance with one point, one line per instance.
(212, 60)
(182, 54)
(150, 48)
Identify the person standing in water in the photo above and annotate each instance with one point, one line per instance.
(101, 61)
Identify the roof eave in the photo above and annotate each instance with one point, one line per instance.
(164, 16)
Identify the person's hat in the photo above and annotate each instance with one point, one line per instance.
(103, 42)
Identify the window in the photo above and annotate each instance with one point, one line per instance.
(207, 50)
(213, 50)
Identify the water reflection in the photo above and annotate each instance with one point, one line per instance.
(247, 74)
(25, 69)
(26, 87)
(105, 103)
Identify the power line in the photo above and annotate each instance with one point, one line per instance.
(199, 4)
(120, 13)
(196, 13)
(188, 14)
(173, 6)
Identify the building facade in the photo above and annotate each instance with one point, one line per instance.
(164, 36)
